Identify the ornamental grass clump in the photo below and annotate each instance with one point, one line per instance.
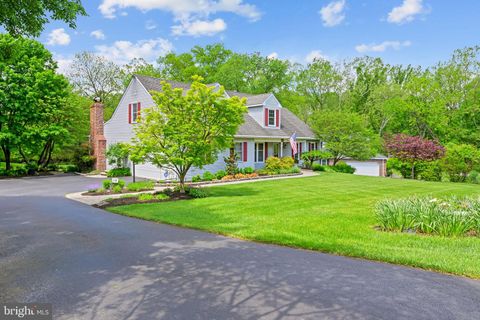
(453, 216)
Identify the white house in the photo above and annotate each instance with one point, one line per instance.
(264, 133)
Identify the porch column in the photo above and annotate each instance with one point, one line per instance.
(281, 148)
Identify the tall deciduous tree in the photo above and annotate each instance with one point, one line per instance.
(27, 17)
(187, 129)
(413, 149)
(95, 76)
(31, 95)
(345, 134)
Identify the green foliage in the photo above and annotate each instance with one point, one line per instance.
(117, 154)
(35, 115)
(396, 166)
(21, 18)
(346, 134)
(429, 171)
(220, 174)
(145, 197)
(446, 217)
(208, 176)
(115, 187)
(343, 168)
(119, 172)
(231, 166)
(289, 171)
(273, 164)
(315, 155)
(473, 177)
(248, 170)
(67, 168)
(459, 160)
(140, 186)
(318, 167)
(161, 196)
(197, 192)
(187, 129)
(196, 178)
(286, 163)
(107, 184)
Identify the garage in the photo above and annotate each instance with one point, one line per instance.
(367, 168)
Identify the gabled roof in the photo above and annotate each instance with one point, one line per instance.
(153, 84)
(289, 124)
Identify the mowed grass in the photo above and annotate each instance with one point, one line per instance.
(331, 213)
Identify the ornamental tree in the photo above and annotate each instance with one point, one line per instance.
(459, 160)
(413, 149)
(186, 129)
(345, 135)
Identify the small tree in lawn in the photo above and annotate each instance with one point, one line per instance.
(187, 129)
(413, 149)
(117, 154)
(314, 155)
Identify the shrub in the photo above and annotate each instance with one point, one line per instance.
(263, 172)
(452, 216)
(429, 171)
(145, 197)
(396, 166)
(252, 175)
(119, 172)
(161, 196)
(220, 174)
(287, 163)
(231, 164)
(168, 191)
(228, 177)
(318, 167)
(67, 168)
(107, 184)
(197, 193)
(343, 167)
(311, 156)
(273, 164)
(248, 170)
(473, 177)
(207, 176)
(290, 171)
(196, 178)
(117, 188)
(85, 163)
(459, 160)
(117, 154)
(140, 186)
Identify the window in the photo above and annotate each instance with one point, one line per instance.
(259, 152)
(271, 117)
(133, 112)
(276, 150)
(238, 149)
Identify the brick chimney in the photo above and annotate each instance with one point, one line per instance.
(98, 143)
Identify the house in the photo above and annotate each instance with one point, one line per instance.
(264, 133)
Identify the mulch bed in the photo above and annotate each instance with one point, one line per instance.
(176, 196)
(109, 192)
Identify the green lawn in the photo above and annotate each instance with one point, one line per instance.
(331, 212)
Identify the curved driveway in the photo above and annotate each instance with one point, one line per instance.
(92, 264)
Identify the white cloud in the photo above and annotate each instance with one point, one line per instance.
(381, 47)
(182, 8)
(150, 25)
(273, 55)
(58, 37)
(406, 12)
(333, 13)
(62, 62)
(314, 55)
(122, 52)
(199, 28)
(98, 34)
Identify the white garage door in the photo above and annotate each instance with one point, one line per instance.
(149, 171)
(365, 168)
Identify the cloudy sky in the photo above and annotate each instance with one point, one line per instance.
(400, 31)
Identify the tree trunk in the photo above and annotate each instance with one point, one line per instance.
(181, 178)
(7, 155)
(413, 170)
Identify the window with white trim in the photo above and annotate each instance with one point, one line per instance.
(259, 153)
(276, 150)
(271, 117)
(238, 149)
(134, 112)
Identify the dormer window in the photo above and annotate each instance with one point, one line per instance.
(272, 118)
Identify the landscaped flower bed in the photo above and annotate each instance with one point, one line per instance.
(112, 187)
(453, 216)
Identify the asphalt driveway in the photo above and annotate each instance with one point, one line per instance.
(92, 264)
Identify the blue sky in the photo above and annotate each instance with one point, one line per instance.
(419, 32)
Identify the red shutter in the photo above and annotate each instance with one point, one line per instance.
(266, 151)
(277, 118)
(300, 149)
(266, 117)
(309, 146)
(129, 113)
(138, 111)
(245, 158)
